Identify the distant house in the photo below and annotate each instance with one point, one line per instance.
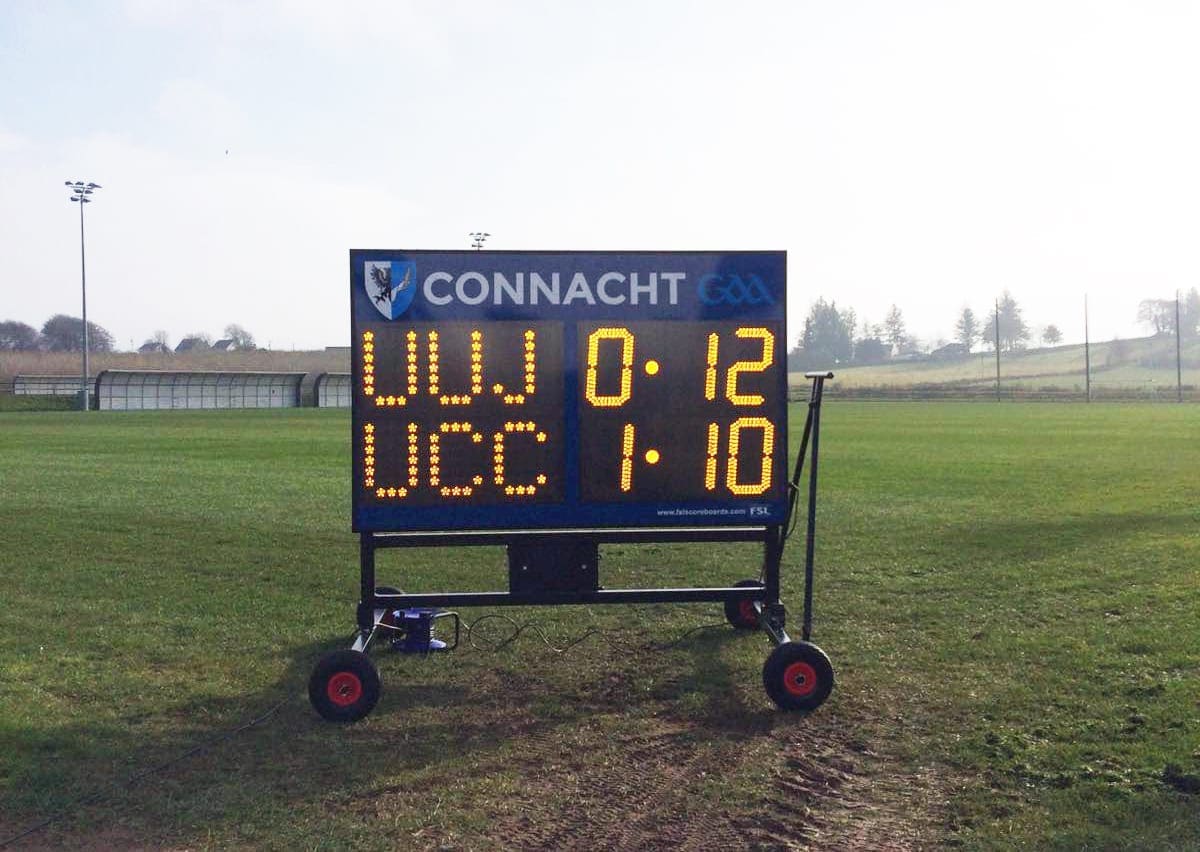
(153, 346)
(191, 344)
(223, 345)
(949, 352)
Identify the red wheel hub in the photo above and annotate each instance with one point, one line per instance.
(747, 612)
(344, 689)
(800, 679)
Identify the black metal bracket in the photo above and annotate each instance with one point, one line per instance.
(569, 566)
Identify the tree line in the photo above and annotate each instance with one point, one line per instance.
(63, 333)
(833, 336)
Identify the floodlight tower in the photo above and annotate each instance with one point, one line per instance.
(81, 194)
(478, 238)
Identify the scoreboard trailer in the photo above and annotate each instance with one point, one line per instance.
(553, 402)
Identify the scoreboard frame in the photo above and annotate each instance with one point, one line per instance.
(707, 333)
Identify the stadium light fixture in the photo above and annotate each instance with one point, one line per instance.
(81, 194)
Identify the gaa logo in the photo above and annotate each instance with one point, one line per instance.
(733, 289)
(390, 286)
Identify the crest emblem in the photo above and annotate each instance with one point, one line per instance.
(390, 286)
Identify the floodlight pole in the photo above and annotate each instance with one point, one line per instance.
(80, 194)
(478, 238)
(1178, 353)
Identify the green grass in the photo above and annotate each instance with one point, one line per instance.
(1026, 575)
(11, 402)
(1008, 593)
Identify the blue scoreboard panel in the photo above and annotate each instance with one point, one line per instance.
(567, 390)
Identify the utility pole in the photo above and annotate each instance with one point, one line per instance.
(1087, 351)
(1178, 354)
(81, 194)
(997, 350)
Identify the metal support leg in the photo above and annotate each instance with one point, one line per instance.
(814, 407)
(366, 594)
(774, 615)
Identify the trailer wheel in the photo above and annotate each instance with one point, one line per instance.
(742, 614)
(344, 686)
(798, 676)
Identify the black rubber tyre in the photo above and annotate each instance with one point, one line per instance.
(798, 676)
(344, 686)
(741, 614)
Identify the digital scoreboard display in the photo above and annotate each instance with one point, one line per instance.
(567, 390)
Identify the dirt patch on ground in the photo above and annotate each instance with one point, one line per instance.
(736, 775)
(665, 787)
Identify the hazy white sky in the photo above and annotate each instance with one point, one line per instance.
(927, 154)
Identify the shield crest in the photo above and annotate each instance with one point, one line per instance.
(390, 285)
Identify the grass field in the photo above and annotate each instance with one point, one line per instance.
(1009, 595)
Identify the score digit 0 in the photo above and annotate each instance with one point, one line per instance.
(628, 341)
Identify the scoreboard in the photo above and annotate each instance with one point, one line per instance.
(567, 390)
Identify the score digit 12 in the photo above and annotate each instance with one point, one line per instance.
(680, 410)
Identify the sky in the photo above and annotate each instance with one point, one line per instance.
(924, 154)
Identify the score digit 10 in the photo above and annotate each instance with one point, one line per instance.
(679, 410)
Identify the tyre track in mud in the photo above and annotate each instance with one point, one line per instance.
(626, 769)
(648, 798)
(662, 789)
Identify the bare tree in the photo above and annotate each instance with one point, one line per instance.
(1159, 314)
(241, 338)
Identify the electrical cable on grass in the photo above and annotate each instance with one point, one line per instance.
(519, 628)
(795, 515)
